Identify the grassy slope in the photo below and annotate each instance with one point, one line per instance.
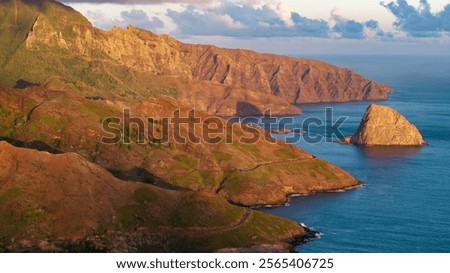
(249, 174)
(59, 68)
(64, 198)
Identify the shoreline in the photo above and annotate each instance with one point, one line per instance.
(310, 234)
(311, 193)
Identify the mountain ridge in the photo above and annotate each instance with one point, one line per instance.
(137, 63)
(261, 173)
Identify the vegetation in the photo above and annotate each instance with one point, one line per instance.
(34, 215)
(15, 220)
(248, 148)
(11, 225)
(314, 168)
(221, 156)
(9, 195)
(10, 121)
(144, 195)
(196, 179)
(135, 215)
(202, 212)
(259, 228)
(239, 182)
(99, 109)
(185, 162)
(285, 154)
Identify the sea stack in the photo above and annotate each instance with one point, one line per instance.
(383, 125)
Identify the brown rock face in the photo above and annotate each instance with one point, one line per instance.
(382, 125)
(59, 43)
(295, 80)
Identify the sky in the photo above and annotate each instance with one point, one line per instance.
(291, 27)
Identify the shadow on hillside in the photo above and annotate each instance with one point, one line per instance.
(35, 145)
(142, 175)
(22, 84)
(245, 109)
(135, 174)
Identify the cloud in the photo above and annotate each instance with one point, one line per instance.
(351, 29)
(372, 24)
(140, 19)
(239, 19)
(348, 28)
(419, 22)
(245, 20)
(134, 17)
(128, 2)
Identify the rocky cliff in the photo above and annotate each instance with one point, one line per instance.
(296, 80)
(137, 63)
(382, 125)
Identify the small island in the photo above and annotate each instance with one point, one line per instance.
(384, 126)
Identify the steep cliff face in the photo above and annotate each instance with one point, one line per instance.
(40, 22)
(382, 125)
(143, 51)
(137, 63)
(296, 80)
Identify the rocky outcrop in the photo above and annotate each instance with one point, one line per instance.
(382, 125)
(137, 63)
(43, 33)
(293, 79)
(296, 80)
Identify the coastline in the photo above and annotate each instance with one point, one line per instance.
(310, 234)
(311, 193)
(288, 246)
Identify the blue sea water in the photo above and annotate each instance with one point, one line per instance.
(405, 203)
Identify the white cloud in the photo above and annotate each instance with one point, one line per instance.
(135, 17)
(285, 14)
(245, 20)
(230, 22)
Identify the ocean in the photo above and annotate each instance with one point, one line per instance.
(405, 203)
